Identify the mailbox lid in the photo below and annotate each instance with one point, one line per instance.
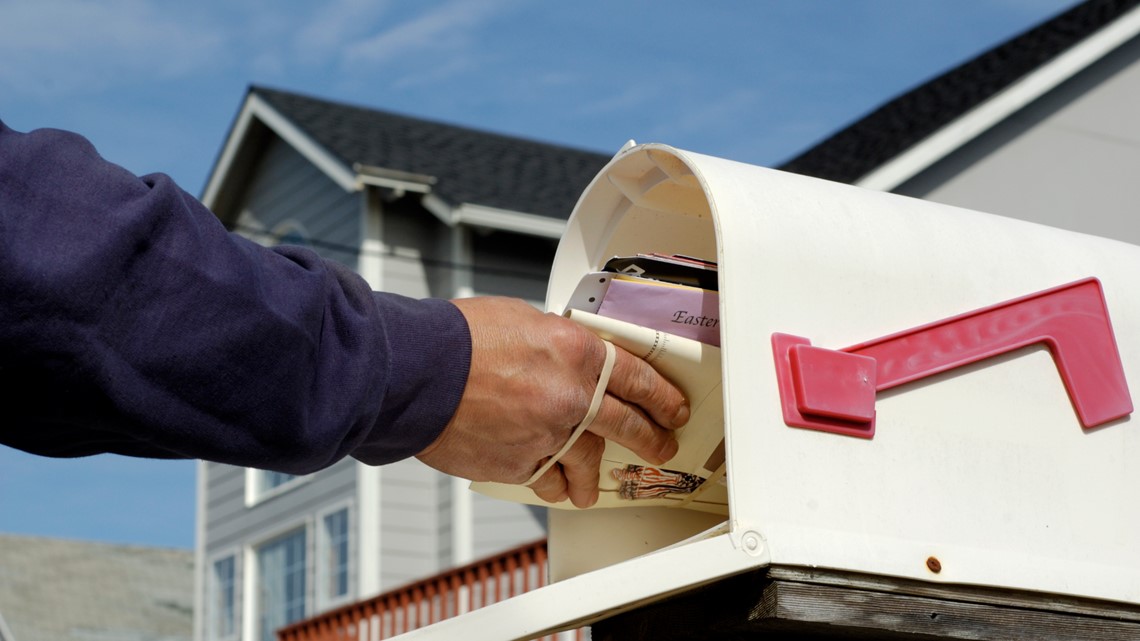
(987, 469)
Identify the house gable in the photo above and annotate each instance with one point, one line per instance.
(461, 175)
(914, 130)
(1066, 160)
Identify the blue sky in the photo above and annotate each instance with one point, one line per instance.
(156, 85)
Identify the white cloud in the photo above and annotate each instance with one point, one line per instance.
(327, 31)
(705, 115)
(631, 98)
(446, 29)
(61, 47)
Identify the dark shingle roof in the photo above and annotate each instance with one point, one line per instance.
(470, 166)
(894, 127)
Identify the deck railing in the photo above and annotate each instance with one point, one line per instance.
(433, 599)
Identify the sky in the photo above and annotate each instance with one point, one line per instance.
(156, 86)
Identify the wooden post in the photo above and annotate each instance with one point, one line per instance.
(815, 605)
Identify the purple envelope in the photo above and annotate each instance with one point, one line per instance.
(675, 309)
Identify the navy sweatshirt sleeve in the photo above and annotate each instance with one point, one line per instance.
(132, 322)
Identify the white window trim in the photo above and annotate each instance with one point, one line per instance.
(254, 495)
(320, 540)
(249, 585)
(208, 607)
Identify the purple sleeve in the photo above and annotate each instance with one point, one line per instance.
(131, 321)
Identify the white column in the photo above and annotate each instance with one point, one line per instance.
(462, 523)
(462, 514)
(370, 262)
(200, 569)
(462, 253)
(368, 519)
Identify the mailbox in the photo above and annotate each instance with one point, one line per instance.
(900, 381)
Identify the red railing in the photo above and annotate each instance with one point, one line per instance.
(433, 599)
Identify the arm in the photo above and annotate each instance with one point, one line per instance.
(132, 322)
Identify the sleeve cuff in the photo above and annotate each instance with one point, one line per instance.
(429, 355)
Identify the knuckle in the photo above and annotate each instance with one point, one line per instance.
(630, 425)
(569, 406)
(519, 472)
(586, 455)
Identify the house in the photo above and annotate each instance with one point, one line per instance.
(1044, 127)
(418, 208)
(60, 590)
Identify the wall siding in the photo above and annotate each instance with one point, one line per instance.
(229, 527)
(419, 262)
(510, 264)
(499, 525)
(286, 188)
(412, 523)
(1068, 160)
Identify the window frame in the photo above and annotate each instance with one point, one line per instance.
(252, 582)
(254, 481)
(211, 610)
(325, 601)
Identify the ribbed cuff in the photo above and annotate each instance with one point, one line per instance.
(429, 355)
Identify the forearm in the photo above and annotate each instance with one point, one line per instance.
(157, 333)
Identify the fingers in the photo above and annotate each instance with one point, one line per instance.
(551, 486)
(580, 465)
(640, 410)
(576, 475)
(635, 381)
(627, 425)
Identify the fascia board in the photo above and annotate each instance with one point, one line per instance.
(440, 209)
(507, 220)
(304, 144)
(229, 152)
(986, 115)
(256, 107)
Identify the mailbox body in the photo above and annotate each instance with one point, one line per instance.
(985, 468)
(981, 475)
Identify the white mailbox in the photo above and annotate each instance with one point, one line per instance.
(908, 390)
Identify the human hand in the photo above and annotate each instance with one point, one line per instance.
(531, 381)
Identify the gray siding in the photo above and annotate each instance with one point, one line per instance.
(286, 189)
(1068, 160)
(229, 522)
(510, 264)
(415, 523)
(419, 263)
(499, 525)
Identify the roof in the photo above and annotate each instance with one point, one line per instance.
(467, 166)
(56, 589)
(900, 124)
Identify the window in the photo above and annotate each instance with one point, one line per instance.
(280, 584)
(332, 565)
(270, 480)
(261, 485)
(221, 600)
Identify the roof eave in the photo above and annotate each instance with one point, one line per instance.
(494, 218)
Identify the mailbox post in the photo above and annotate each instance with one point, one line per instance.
(973, 445)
